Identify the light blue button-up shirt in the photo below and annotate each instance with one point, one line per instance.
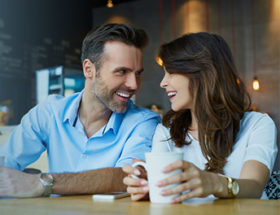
(54, 126)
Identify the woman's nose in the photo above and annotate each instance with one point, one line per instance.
(163, 82)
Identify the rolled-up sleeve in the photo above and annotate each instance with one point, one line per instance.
(25, 144)
(262, 145)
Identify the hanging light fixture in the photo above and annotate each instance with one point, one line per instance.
(110, 4)
(256, 83)
(159, 61)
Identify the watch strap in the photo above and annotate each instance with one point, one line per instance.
(230, 182)
(47, 180)
(229, 186)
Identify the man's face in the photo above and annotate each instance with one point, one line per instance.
(118, 76)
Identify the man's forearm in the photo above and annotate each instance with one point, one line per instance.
(95, 181)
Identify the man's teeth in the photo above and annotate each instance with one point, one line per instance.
(171, 94)
(123, 94)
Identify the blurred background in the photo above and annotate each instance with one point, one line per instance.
(40, 45)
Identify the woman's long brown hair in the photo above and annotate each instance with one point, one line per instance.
(219, 95)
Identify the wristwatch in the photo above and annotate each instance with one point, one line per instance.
(233, 187)
(47, 180)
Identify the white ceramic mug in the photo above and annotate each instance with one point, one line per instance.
(155, 163)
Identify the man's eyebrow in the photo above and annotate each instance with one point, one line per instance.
(127, 69)
(122, 68)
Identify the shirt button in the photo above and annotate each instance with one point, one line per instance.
(84, 156)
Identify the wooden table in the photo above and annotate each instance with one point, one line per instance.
(82, 205)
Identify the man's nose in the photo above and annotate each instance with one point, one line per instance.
(132, 81)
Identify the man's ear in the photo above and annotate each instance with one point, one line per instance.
(89, 69)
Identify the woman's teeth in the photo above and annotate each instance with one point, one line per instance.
(171, 94)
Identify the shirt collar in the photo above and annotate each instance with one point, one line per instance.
(113, 123)
(72, 112)
(115, 120)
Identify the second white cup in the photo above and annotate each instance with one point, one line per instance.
(155, 163)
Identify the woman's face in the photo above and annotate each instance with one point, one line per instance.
(177, 89)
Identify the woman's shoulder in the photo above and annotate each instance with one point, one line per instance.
(162, 130)
(257, 139)
(254, 119)
(161, 139)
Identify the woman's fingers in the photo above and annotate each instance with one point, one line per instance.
(198, 192)
(129, 181)
(138, 190)
(192, 180)
(196, 186)
(189, 185)
(188, 173)
(139, 171)
(178, 178)
(136, 186)
(138, 197)
(131, 170)
(180, 164)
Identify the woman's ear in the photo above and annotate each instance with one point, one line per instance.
(88, 69)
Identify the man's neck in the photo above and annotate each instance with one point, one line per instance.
(92, 114)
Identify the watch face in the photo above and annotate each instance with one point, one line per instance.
(235, 188)
(47, 178)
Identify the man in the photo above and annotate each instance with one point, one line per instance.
(90, 134)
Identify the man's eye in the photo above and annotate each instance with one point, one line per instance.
(121, 72)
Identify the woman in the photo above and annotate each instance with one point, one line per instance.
(228, 150)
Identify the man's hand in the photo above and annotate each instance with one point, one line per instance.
(14, 183)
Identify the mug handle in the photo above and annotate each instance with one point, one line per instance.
(139, 163)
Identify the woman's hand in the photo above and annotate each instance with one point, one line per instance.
(199, 183)
(138, 188)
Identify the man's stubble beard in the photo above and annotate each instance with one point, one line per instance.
(106, 96)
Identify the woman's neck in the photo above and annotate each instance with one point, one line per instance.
(194, 125)
(193, 129)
